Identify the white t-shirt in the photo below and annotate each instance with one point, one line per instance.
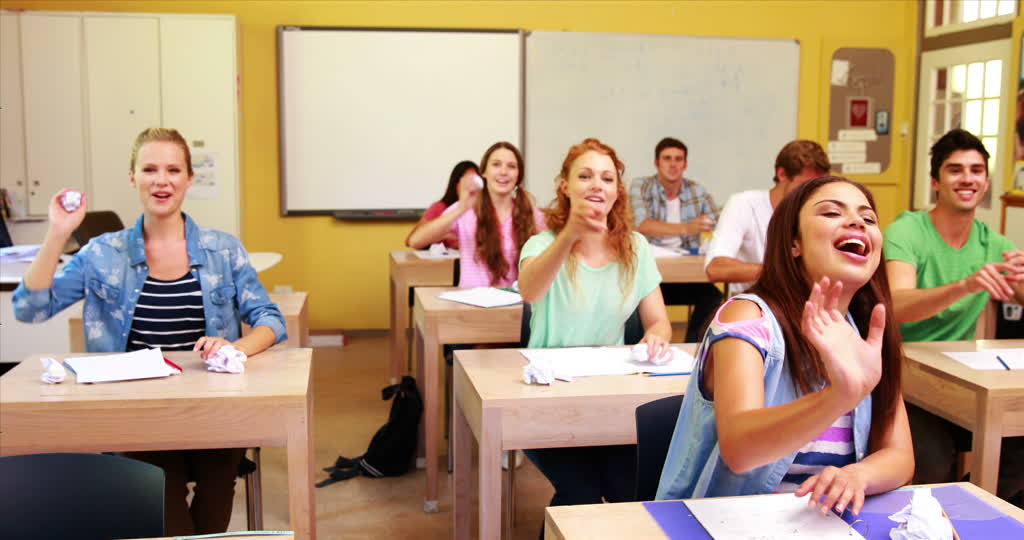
(672, 215)
(741, 231)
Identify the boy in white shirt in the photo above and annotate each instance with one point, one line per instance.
(737, 248)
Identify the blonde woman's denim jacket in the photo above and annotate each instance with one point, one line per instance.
(109, 273)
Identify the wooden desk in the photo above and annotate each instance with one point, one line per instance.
(494, 407)
(990, 403)
(682, 269)
(440, 322)
(408, 271)
(632, 520)
(270, 405)
(294, 306)
(1010, 199)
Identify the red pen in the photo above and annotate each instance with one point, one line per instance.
(173, 365)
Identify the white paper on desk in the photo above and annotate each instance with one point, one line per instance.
(661, 251)
(767, 516)
(486, 297)
(440, 252)
(986, 359)
(144, 364)
(22, 253)
(593, 361)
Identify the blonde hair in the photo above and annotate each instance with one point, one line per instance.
(157, 134)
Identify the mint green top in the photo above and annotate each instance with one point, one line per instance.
(593, 311)
(912, 238)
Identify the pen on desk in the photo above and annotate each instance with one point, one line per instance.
(956, 535)
(667, 374)
(1001, 361)
(173, 365)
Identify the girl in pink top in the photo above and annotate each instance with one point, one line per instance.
(491, 224)
(464, 169)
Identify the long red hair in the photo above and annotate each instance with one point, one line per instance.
(488, 230)
(620, 218)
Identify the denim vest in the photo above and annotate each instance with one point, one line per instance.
(694, 467)
(109, 273)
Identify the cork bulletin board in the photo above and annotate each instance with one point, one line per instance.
(860, 110)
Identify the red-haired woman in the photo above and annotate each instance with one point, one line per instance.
(584, 277)
(492, 224)
(797, 382)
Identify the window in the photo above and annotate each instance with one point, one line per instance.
(945, 16)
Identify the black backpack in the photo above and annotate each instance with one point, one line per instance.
(393, 448)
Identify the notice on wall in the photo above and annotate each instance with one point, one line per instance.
(870, 167)
(205, 186)
(862, 134)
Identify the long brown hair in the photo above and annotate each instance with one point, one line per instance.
(488, 230)
(785, 285)
(620, 218)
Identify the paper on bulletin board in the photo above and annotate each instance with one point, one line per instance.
(863, 134)
(205, 185)
(848, 146)
(840, 72)
(871, 167)
(847, 157)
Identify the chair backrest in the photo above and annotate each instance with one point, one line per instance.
(95, 224)
(83, 496)
(655, 423)
(632, 334)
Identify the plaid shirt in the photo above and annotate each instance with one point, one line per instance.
(648, 198)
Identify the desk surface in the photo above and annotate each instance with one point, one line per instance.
(632, 520)
(930, 356)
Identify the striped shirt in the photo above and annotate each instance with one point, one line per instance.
(169, 315)
(834, 447)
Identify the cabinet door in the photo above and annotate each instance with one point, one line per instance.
(122, 58)
(198, 85)
(51, 48)
(12, 134)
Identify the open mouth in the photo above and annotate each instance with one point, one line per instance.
(853, 245)
(162, 195)
(594, 199)
(966, 194)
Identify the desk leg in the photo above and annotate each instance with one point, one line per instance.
(431, 402)
(490, 474)
(988, 439)
(421, 445)
(301, 461)
(461, 496)
(399, 336)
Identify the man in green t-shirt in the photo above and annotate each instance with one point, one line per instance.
(944, 267)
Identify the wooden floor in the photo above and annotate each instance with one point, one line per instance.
(348, 410)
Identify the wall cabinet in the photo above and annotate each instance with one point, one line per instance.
(75, 89)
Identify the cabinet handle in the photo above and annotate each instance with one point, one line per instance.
(19, 183)
(35, 182)
(32, 193)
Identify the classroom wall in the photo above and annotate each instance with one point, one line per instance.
(344, 265)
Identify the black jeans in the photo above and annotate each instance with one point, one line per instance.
(704, 297)
(588, 474)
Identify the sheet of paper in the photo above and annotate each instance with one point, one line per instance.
(768, 517)
(840, 72)
(144, 364)
(870, 167)
(660, 251)
(593, 361)
(22, 253)
(486, 297)
(986, 359)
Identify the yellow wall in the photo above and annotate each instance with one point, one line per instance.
(343, 265)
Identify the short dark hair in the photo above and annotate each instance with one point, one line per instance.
(955, 139)
(669, 142)
(799, 155)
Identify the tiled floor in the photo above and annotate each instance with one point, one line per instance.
(348, 410)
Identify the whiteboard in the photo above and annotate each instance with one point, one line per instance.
(733, 102)
(374, 120)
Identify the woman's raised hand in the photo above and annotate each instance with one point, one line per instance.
(585, 217)
(62, 222)
(854, 364)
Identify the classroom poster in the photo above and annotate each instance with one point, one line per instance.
(204, 185)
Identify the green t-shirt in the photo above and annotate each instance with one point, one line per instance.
(593, 311)
(912, 238)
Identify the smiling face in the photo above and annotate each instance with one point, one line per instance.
(501, 171)
(963, 181)
(592, 178)
(161, 177)
(839, 235)
(671, 164)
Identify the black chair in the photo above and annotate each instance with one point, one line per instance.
(95, 224)
(82, 496)
(655, 422)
